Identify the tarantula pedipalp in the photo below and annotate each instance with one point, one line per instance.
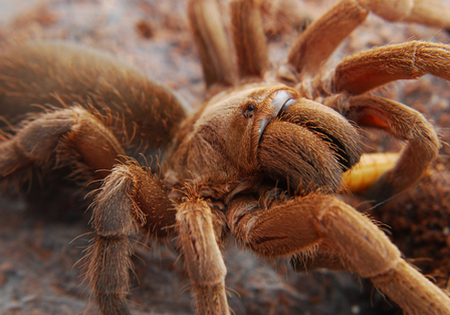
(258, 158)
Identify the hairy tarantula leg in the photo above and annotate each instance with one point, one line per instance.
(199, 244)
(212, 43)
(290, 226)
(330, 260)
(428, 12)
(130, 199)
(320, 40)
(367, 70)
(57, 73)
(47, 141)
(249, 38)
(405, 123)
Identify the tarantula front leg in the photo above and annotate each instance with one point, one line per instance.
(318, 42)
(198, 238)
(289, 226)
(131, 199)
(367, 70)
(404, 123)
(364, 71)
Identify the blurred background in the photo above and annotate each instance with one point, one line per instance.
(42, 236)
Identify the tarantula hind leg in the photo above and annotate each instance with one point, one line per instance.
(61, 137)
(285, 227)
(130, 200)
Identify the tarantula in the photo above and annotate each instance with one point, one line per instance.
(260, 160)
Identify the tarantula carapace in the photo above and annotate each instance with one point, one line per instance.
(260, 160)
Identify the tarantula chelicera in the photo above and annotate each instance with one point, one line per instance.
(261, 159)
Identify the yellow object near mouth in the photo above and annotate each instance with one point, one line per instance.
(370, 167)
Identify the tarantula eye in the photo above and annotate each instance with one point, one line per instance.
(249, 111)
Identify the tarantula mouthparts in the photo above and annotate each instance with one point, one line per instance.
(336, 148)
(249, 126)
(261, 160)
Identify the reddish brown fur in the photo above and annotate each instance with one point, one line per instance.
(260, 160)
